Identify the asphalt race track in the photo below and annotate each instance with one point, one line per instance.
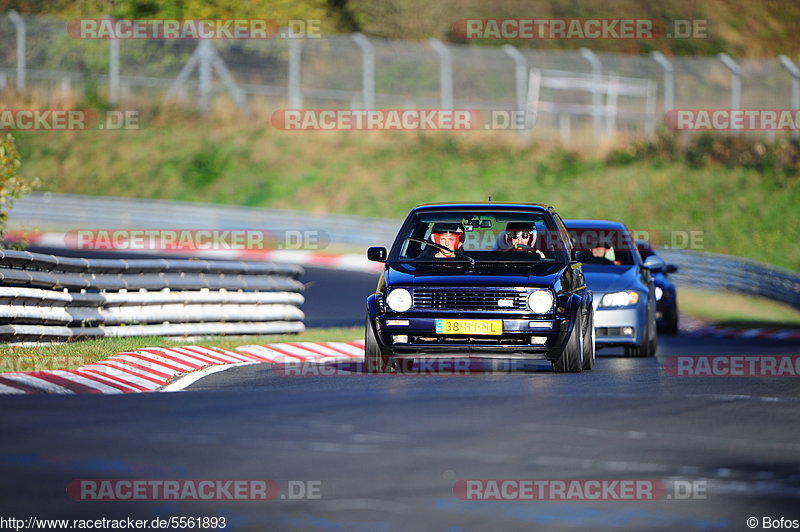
(386, 451)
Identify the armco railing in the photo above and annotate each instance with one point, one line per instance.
(724, 273)
(47, 297)
(44, 211)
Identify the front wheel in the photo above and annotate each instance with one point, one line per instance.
(651, 339)
(588, 343)
(374, 361)
(571, 359)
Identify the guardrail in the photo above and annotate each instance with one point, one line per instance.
(44, 211)
(704, 270)
(48, 297)
(724, 273)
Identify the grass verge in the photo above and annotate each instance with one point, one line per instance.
(737, 310)
(739, 195)
(72, 355)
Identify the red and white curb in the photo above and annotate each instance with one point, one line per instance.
(153, 369)
(340, 261)
(762, 334)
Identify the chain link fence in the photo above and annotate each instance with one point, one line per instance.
(578, 91)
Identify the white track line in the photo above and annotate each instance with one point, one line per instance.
(187, 380)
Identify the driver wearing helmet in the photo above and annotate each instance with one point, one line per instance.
(449, 235)
(520, 236)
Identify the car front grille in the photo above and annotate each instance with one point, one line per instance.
(426, 299)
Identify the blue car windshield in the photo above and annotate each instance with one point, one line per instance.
(609, 247)
(502, 237)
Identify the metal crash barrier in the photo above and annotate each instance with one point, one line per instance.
(47, 297)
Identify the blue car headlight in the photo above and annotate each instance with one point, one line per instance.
(659, 293)
(625, 298)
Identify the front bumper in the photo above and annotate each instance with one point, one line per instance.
(513, 343)
(619, 326)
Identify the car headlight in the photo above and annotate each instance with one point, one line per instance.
(540, 301)
(399, 300)
(625, 298)
(659, 293)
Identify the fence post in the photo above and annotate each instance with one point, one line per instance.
(113, 70)
(204, 72)
(650, 108)
(795, 73)
(295, 71)
(612, 100)
(445, 73)
(736, 80)
(597, 100)
(367, 70)
(520, 75)
(225, 75)
(669, 80)
(19, 24)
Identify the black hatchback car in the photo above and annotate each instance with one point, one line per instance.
(666, 292)
(480, 280)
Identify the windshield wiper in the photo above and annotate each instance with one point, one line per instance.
(457, 252)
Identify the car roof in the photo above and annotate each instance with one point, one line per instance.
(593, 224)
(482, 205)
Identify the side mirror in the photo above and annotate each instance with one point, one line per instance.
(671, 268)
(581, 255)
(377, 254)
(655, 264)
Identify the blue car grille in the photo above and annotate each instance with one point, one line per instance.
(427, 299)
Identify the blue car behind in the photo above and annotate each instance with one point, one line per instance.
(666, 293)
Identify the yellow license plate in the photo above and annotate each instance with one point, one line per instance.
(469, 327)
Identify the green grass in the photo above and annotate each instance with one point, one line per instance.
(731, 309)
(72, 355)
(743, 203)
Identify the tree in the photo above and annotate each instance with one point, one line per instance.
(12, 185)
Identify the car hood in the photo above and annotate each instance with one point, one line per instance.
(611, 279)
(540, 275)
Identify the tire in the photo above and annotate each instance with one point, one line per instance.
(636, 351)
(652, 342)
(571, 359)
(633, 351)
(649, 343)
(671, 326)
(588, 344)
(374, 360)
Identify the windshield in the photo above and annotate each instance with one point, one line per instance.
(509, 236)
(609, 247)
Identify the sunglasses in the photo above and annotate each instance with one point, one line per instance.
(521, 234)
